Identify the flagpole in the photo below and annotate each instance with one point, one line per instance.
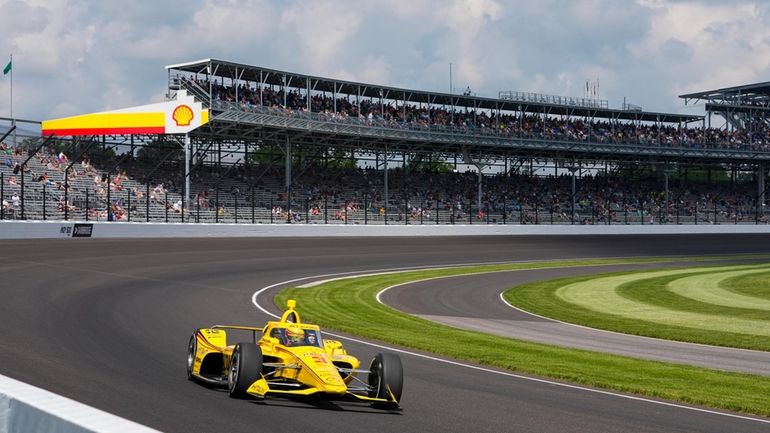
(11, 62)
(13, 121)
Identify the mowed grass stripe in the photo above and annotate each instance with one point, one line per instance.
(601, 295)
(350, 306)
(709, 288)
(657, 292)
(757, 285)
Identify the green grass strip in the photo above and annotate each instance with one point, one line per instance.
(540, 298)
(349, 305)
(709, 288)
(659, 293)
(757, 285)
(602, 295)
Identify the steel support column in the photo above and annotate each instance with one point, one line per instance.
(187, 145)
(288, 179)
(386, 182)
(761, 189)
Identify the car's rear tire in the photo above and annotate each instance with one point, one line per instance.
(245, 369)
(192, 350)
(386, 373)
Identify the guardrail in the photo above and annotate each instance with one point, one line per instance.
(26, 408)
(64, 229)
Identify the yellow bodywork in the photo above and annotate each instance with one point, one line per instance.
(324, 368)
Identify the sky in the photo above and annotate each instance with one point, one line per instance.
(78, 56)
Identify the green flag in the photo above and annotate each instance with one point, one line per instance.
(7, 68)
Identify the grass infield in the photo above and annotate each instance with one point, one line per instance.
(349, 305)
(690, 304)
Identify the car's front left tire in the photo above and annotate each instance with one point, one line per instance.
(386, 379)
(245, 369)
(192, 349)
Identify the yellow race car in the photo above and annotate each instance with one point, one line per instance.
(291, 358)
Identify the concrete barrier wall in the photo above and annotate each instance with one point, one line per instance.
(62, 229)
(25, 408)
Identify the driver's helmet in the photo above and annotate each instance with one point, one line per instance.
(294, 336)
(311, 339)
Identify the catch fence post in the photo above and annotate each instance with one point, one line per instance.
(109, 198)
(66, 195)
(21, 173)
(470, 211)
(422, 210)
(677, 213)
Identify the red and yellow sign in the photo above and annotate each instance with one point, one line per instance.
(173, 117)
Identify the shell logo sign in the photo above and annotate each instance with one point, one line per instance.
(179, 116)
(182, 115)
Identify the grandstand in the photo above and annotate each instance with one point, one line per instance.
(276, 146)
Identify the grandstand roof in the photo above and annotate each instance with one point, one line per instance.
(257, 74)
(745, 92)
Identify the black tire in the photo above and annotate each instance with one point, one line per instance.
(192, 349)
(386, 372)
(245, 368)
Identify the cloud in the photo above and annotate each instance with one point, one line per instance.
(75, 56)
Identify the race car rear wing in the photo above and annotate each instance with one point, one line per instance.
(253, 329)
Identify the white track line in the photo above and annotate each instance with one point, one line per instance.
(477, 368)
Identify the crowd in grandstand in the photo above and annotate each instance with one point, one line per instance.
(343, 194)
(754, 136)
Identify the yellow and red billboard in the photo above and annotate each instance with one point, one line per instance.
(179, 116)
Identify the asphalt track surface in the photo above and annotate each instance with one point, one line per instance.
(106, 322)
(473, 302)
